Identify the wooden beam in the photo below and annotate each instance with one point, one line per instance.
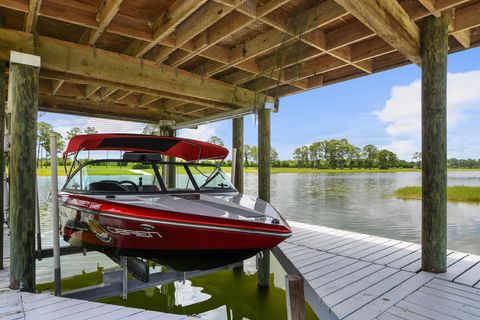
(92, 82)
(147, 99)
(195, 29)
(103, 109)
(106, 92)
(165, 25)
(311, 19)
(430, 6)
(90, 90)
(102, 66)
(388, 19)
(230, 24)
(106, 12)
(467, 17)
(32, 15)
(215, 117)
(56, 85)
(434, 143)
(120, 95)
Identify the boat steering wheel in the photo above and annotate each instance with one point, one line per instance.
(129, 182)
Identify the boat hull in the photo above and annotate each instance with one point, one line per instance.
(180, 244)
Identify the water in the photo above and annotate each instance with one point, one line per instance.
(359, 202)
(363, 202)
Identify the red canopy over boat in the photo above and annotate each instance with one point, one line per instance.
(186, 149)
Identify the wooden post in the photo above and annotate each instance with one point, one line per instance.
(238, 144)
(23, 103)
(263, 260)
(434, 43)
(295, 297)
(172, 170)
(2, 151)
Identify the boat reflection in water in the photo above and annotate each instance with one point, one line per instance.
(197, 220)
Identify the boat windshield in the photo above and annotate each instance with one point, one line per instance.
(120, 176)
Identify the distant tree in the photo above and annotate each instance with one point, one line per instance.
(43, 140)
(273, 157)
(301, 155)
(370, 155)
(333, 151)
(246, 154)
(151, 129)
(90, 130)
(417, 157)
(253, 155)
(75, 131)
(317, 153)
(353, 156)
(216, 140)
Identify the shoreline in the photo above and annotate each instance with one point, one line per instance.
(45, 172)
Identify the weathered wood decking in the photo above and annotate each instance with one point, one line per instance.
(15, 304)
(350, 276)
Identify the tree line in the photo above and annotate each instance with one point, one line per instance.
(340, 154)
(44, 130)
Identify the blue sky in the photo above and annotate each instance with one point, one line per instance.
(382, 109)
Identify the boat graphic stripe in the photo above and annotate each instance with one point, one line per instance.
(183, 224)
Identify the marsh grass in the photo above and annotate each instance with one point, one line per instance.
(454, 193)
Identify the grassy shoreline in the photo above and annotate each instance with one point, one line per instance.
(114, 170)
(454, 193)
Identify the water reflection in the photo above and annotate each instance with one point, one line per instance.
(221, 295)
(362, 202)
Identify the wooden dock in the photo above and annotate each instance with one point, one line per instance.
(351, 276)
(15, 304)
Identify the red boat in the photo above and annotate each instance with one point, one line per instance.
(197, 220)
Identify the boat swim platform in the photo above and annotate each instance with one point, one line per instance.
(15, 304)
(350, 275)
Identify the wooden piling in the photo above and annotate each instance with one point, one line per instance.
(263, 260)
(295, 297)
(434, 46)
(2, 153)
(238, 144)
(23, 103)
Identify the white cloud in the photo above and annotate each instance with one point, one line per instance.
(402, 111)
(403, 148)
(203, 132)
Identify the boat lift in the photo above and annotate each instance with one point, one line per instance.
(115, 282)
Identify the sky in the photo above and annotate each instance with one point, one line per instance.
(382, 109)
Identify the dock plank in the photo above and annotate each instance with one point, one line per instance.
(390, 298)
(425, 312)
(470, 277)
(354, 303)
(347, 280)
(444, 306)
(401, 314)
(358, 276)
(459, 267)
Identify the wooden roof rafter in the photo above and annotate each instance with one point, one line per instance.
(106, 12)
(165, 24)
(236, 49)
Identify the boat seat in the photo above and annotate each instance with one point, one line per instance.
(107, 185)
